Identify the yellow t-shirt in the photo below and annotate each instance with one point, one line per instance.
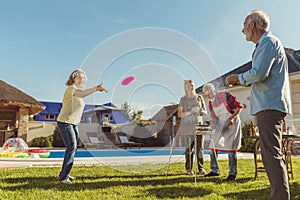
(72, 107)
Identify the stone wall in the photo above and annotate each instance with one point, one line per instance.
(22, 118)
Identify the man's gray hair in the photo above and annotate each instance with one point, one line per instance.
(261, 19)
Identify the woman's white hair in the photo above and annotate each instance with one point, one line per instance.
(209, 87)
(261, 19)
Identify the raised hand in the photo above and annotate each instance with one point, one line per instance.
(100, 88)
(233, 80)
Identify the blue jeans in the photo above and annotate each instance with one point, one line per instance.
(69, 134)
(232, 161)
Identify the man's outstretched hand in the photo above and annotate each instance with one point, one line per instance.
(233, 80)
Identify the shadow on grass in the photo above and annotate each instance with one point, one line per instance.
(102, 182)
(181, 176)
(257, 194)
(181, 192)
(262, 194)
(295, 191)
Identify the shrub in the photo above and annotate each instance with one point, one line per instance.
(57, 140)
(247, 143)
(42, 142)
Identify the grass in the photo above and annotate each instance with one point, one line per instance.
(138, 182)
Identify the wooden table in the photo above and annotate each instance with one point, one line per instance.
(286, 150)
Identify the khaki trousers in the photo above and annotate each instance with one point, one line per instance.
(269, 124)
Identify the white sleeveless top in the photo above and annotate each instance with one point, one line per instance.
(226, 138)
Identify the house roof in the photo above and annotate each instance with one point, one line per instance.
(293, 64)
(13, 97)
(51, 107)
(109, 104)
(55, 107)
(102, 108)
(165, 113)
(293, 59)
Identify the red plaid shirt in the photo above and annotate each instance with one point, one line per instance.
(227, 99)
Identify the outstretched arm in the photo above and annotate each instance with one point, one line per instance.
(84, 93)
(233, 80)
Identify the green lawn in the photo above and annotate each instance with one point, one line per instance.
(139, 182)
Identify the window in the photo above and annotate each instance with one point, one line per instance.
(108, 117)
(50, 116)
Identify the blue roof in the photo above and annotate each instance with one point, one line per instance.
(109, 104)
(55, 107)
(51, 107)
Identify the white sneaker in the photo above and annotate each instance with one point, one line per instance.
(67, 181)
(72, 178)
(202, 171)
(189, 172)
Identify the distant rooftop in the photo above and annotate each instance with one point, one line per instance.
(293, 60)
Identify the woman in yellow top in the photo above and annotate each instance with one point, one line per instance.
(190, 107)
(69, 118)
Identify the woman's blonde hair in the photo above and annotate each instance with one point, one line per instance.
(188, 82)
(73, 75)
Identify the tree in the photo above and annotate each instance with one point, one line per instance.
(126, 108)
(134, 114)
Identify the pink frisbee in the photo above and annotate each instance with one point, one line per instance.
(128, 80)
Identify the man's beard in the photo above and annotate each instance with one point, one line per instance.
(249, 35)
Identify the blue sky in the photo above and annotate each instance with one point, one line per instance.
(160, 42)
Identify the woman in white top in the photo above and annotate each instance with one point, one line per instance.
(69, 118)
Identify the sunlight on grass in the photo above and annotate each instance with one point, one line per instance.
(137, 169)
(139, 182)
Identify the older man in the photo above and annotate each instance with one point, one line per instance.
(270, 96)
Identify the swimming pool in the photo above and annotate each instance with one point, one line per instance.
(120, 153)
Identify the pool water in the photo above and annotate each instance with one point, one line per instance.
(121, 153)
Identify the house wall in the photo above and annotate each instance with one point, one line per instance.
(22, 118)
(164, 135)
(113, 117)
(40, 129)
(119, 117)
(293, 122)
(42, 117)
(7, 118)
(44, 129)
(243, 95)
(295, 94)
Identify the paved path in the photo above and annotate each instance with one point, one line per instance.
(103, 161)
